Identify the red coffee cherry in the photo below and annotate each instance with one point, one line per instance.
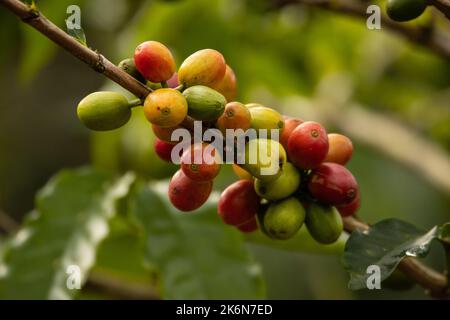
(165, 134)
(249, 226)
(154, 61)
(163, 149)
(333, 184)
(173, 81)
(186, 194)
(238, 203)
(350, 209)
(308, 145)
(340, 149)
(209, 167)
(289, 125)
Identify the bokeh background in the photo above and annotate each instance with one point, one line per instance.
(390, 96)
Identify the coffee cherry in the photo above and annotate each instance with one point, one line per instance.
(405, 10)
(204, 103)
(164, 150)
(205, 67)
(235, 116)
(165, 107)
(253, 105)
(186, 194)
(238, 203)
(340, 149)
(173, 81)
(228, 86)
(102, 111)
(165, 134)
(264, 159)
(333, 184)
(241, 173)
(324, 223)
(308, 145)
(249, 226)
(283, 219)
(154, 61)
(129, 67)
(350, 209)
(283, 187)
(289, 125)
(266, 118)
(200, 163)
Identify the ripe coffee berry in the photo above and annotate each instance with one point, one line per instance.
(249, 226)
(154, 61)
(333, 184)
(165, 134)
(206, 168)
(186, 194)
(238, 203)
(164, 150)
(205, 67)
(165, 107)
(340, 149)
(351, 208)
(308, 145)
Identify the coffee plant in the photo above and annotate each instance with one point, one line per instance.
(293, 187)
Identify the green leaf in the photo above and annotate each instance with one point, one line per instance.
(78, 34)
(385, 245)
(197, 255)
(71, 219)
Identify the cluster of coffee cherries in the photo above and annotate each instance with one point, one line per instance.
(305, 183)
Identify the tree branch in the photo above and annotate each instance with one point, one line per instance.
(442, 5)
(92, 58)
(430, 38)
(429, 279)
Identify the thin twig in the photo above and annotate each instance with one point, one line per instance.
(431, 38)
(8, 224)
(429, 279)
(92, 58)
(442, 5)
(119, 289)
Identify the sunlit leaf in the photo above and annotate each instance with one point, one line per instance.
(198, 256)
(71, 219)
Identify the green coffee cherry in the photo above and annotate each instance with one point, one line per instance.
(266, 118)
(264, 159)
(283, 187)
(324, 223)
(283, 219)
(102, 111)
(129, 67)
(405, 10)
(204, 103)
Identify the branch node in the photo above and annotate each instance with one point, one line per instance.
(32, 14)
(99, 65)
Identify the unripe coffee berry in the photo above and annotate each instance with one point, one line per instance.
(235, 116)
(266, 119)
(204, 103)
(228, 86)
(102, 111)
(186, 194)
(283, 187)
(308, 145)
(323, 223)
(283, 219)
(205, 67)
(289, 126)
(405, 10)
(333, 184)
(154, 61)
(165, 107)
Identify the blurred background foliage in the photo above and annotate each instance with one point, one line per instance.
(279, 55)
